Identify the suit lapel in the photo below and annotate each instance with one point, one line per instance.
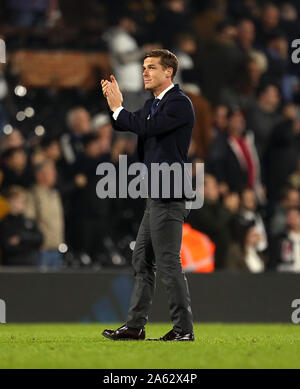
(170, 92)
(149, 102)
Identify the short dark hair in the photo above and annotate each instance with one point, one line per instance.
(89, 138)
(167, 59)
(232, 110)
(14, 191)
(47, 141)
(11, 151)
(40, 165)
(262, 88)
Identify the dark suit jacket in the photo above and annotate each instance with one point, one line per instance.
(166, 136)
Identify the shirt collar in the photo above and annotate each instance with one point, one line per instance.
(161, 95)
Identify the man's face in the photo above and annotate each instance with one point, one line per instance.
(93, 149)
(82, 121)
(292, 198)
(17, 204)
(17, 161)
(220, 117)
(248, 199)
(270, 17)
(293, 219)
(246, 31)
(272, 96)
(254, 71)
(211, 189)
(154, 74)
(53, 151)
(236, 122)
(47, 175)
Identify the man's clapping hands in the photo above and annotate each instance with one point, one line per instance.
(112, 93)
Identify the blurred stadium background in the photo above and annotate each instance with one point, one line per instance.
(65, 254)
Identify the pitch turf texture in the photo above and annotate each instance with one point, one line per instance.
(216, 346)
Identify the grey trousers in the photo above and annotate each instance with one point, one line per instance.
(158, 247)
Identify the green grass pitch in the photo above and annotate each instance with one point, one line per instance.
(216, 346)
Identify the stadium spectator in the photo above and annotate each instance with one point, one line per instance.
(290, 197)
(289, 20)
(68, 182)
(217, 148)
(242, 254)
(263, 117)
(126, 57)
(20, 239)
(231, 201)
(124, 144)
(91, 216)
(202, 133)
(79, 124)
(213, 219)
(294, 178)
(245, 9)
(186, 48)
(14, 139)
(245, 35)
(44, 205)
(220, 120)
(249, 212)
(282, 153)
(285, 254)
(16, 168)
(279, 63)
(187, 78)
(268, 23)
(238, 166)
(128, 212)
(206, 21)
(174, 14)
(197, 251)
(243, 91)
(28, 13)
(218, 61)
(101, 124)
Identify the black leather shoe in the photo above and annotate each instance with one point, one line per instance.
(125, 333)
(173, 335)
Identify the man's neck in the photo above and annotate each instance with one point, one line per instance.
(295, 230)
(161, 88)
(15, 213)
(43, 185)
(236, 134)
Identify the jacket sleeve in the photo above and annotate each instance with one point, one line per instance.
(32, 238)
(29, 239)
(116, 125)
(114, 122)
(174, 114)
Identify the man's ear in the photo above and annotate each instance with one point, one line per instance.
(170, 72)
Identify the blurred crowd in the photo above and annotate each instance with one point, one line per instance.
(234, 64)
